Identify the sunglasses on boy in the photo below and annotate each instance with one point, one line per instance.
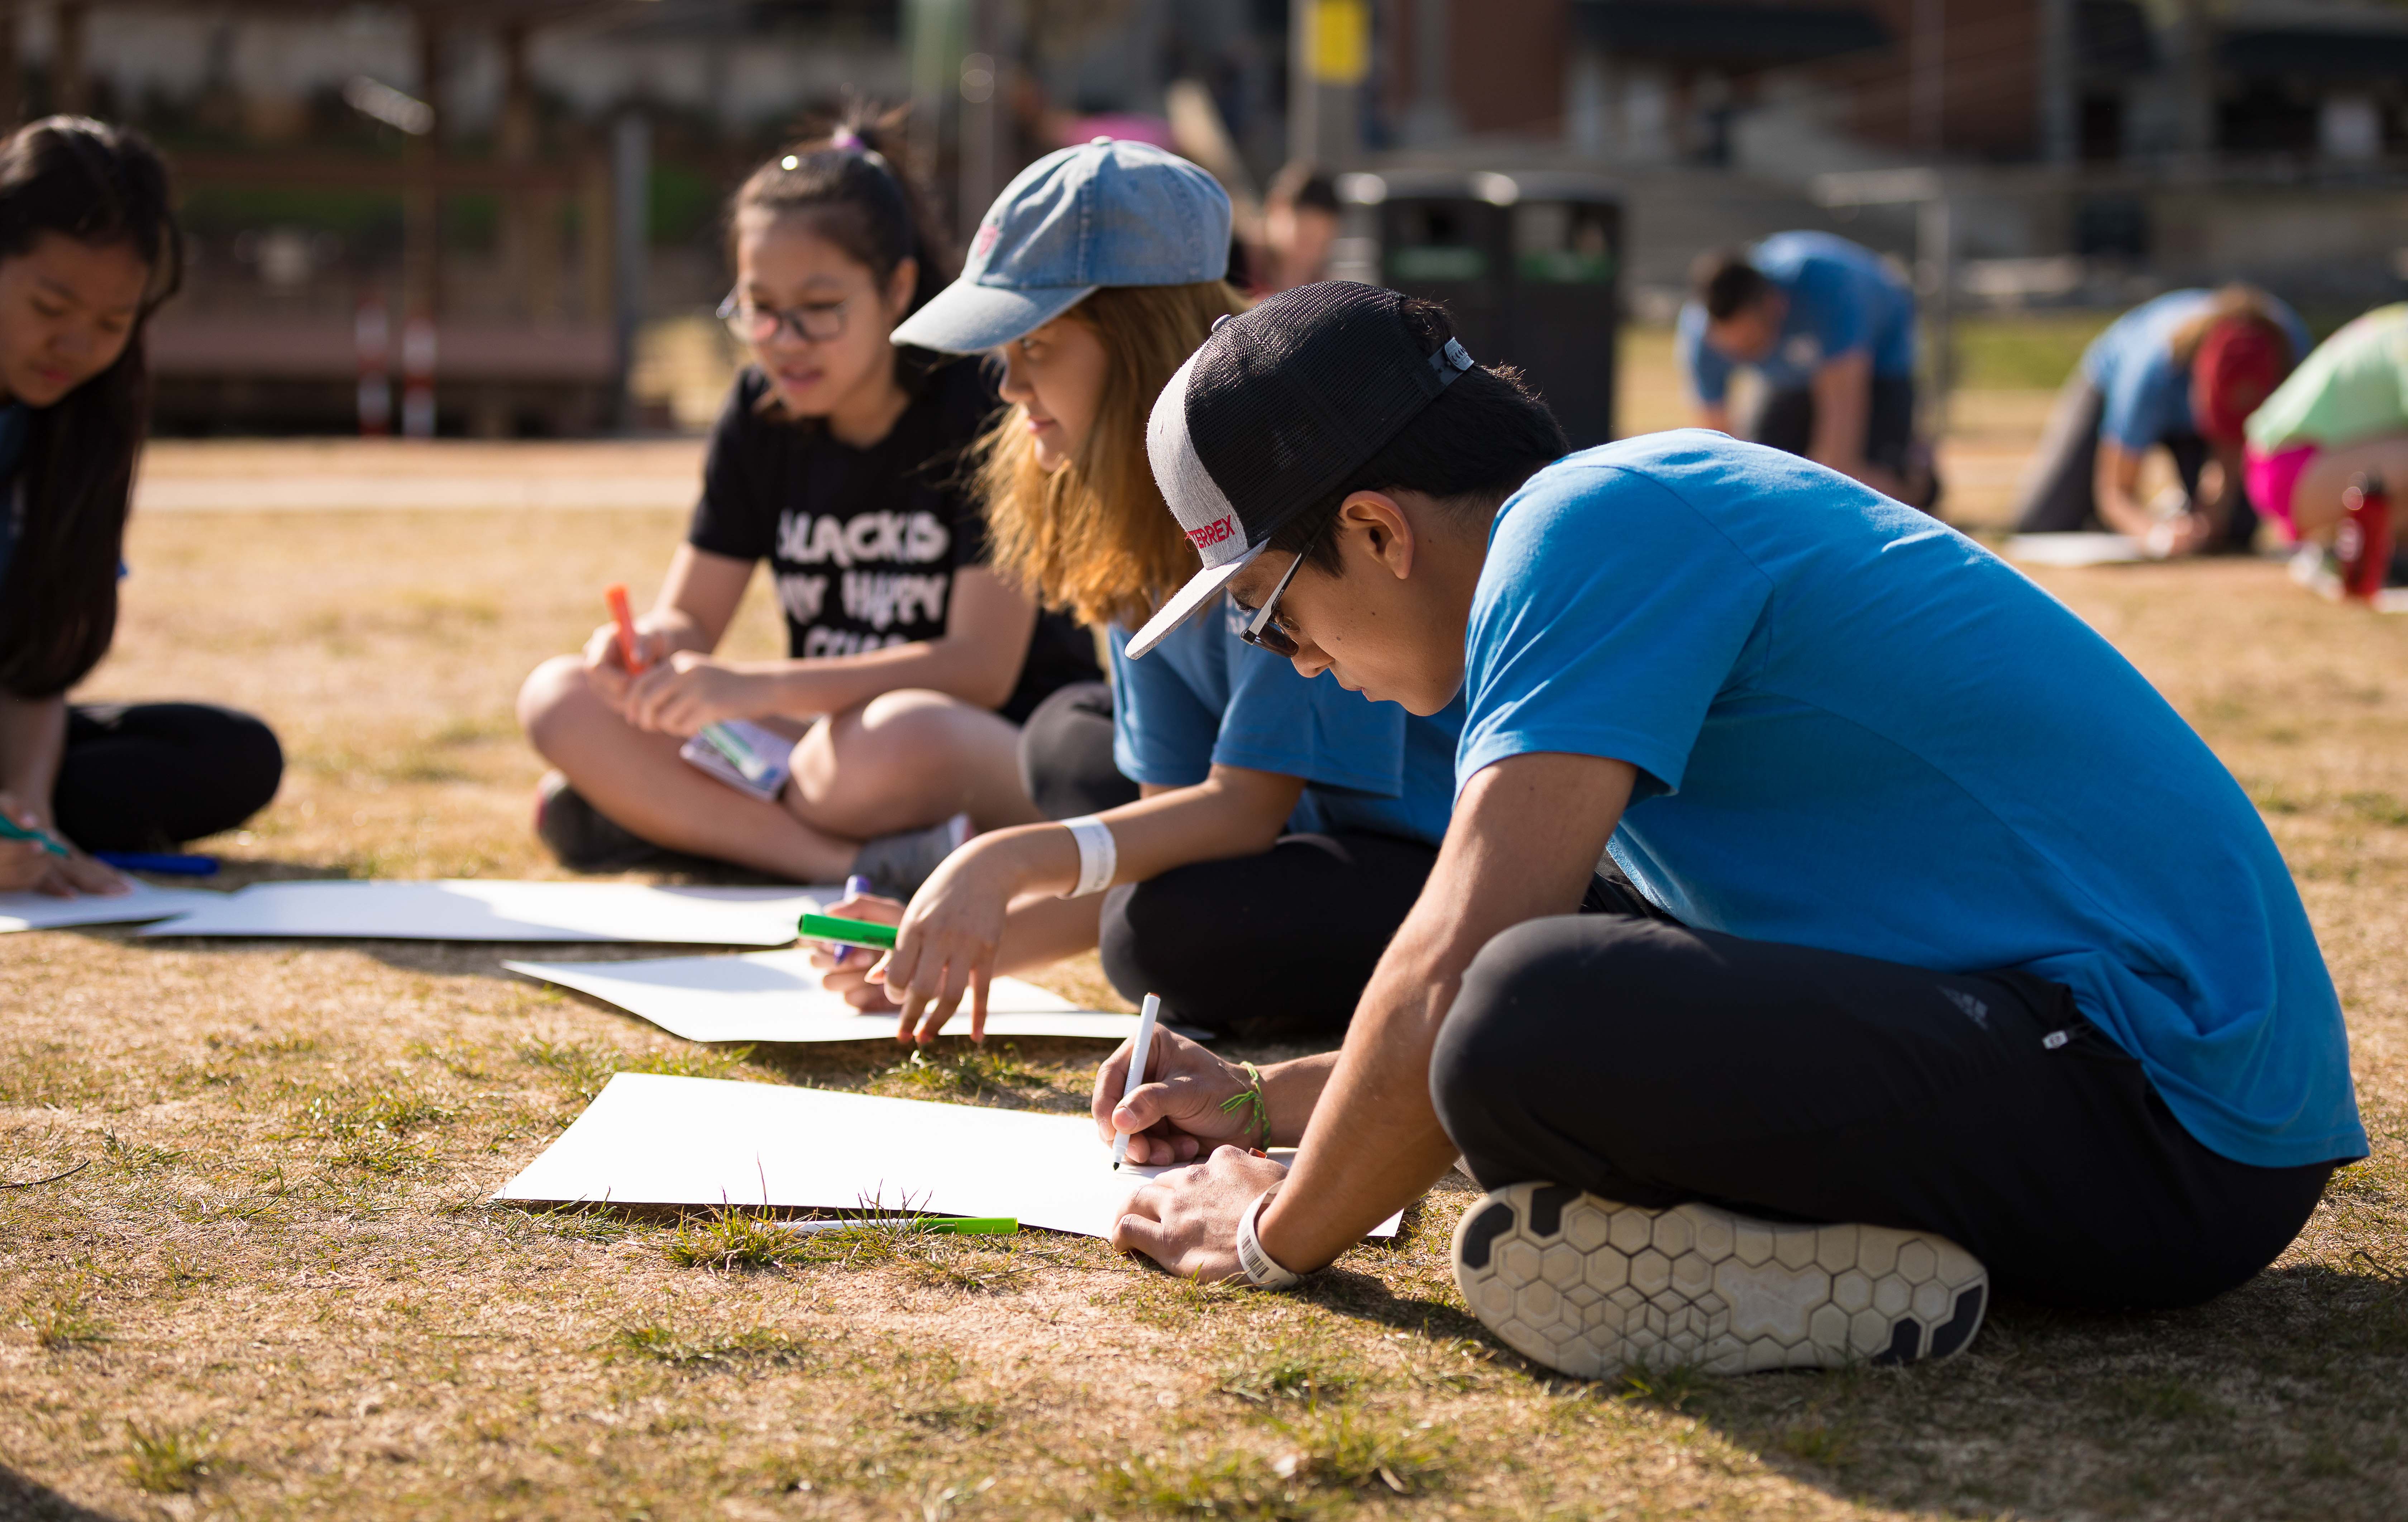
(1263, 633)
(757, 325)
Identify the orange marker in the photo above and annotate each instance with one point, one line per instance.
(616, 595)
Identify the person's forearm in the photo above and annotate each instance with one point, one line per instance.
(33, 740)
(805, 689)
(1230, 813)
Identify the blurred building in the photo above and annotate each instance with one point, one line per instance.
(462, 213)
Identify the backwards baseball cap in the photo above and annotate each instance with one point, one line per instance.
(1276, 409)
(2240, 362)
(1106, 213)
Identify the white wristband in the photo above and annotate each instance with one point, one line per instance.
(1261, 1269)
(1099, 857)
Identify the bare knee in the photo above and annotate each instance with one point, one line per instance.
(899, 747)
(555, 695)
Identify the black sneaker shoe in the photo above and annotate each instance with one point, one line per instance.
(898, 864)
(582, 837)
(1590, 1287)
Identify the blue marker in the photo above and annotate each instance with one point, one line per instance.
(161, 864)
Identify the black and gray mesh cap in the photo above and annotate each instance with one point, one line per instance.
(1276, 409)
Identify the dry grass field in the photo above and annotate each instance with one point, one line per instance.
(274, 1287)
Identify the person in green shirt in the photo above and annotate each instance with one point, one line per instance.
(2342, 414)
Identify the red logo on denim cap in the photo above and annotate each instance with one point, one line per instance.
(1214, 532)
(987, 234)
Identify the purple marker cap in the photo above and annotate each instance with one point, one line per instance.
(855, 886)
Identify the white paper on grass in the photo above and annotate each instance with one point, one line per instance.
(2075, 549)
(472, 910)
(776, 997)
(709, 1142)
(40, 912)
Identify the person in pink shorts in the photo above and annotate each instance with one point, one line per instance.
(2341, 415)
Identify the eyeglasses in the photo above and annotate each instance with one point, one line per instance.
(1259, 630)
(758, 324)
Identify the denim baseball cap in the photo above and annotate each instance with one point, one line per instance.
(1104, 213)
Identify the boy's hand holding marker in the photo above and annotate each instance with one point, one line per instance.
(1190, 1103)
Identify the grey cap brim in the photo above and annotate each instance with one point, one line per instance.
(966, 318)
(1187, 602)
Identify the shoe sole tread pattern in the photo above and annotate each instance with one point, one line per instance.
(1591, 1287)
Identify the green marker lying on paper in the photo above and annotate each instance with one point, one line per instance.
(846, 932)
(14, 831)
(963, 1226)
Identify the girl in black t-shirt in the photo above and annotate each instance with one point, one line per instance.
(835, 460)
(89, 249)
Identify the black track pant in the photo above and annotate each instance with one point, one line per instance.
(2060, 496)
(1274, 945)
(1785, 421)
(1646, 1062)
(150, 776)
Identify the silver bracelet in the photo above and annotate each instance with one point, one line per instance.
(1261, 1269)
(1100, 856)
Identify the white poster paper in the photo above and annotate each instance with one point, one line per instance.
(40, 912)
(776, 997)
(707, 1142)
(2075, 549)
(472, 910)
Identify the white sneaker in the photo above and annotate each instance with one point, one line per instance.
(1590, 1286)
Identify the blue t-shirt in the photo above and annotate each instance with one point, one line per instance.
(1842, 299)
(2146, 395)
(1204, 697)
(1860, 730)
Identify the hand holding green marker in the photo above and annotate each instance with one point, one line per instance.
(10, 830)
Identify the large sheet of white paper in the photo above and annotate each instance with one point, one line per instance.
(40, 912)
(471, 910)
(776, 997)
(2075, 549)
(709, 1143)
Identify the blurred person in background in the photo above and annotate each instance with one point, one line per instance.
(1210, 790)
(1299, 230)
(910, 663)
(89, 249)
(2342, 415)
(1829, 329)
(2183, 372)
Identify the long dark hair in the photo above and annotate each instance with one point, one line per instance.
(858, 187)
(104, 186)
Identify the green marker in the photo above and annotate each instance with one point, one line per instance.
(963, 1226)
(846, 932)
(14, 831)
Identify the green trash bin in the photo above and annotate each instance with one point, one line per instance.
(1529, 264)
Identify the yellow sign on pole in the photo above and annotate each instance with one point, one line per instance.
(1342, 41)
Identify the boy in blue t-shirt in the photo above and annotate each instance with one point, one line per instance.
(1830, 923)
(1830, 331)
(2184, 372)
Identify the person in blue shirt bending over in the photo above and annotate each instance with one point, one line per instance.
(2183, 371)
(1830, 330)
(1831, 926)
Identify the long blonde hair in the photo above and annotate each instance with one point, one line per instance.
(1096, 537)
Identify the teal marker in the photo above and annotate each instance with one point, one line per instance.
(964, 1225)
(14, 831)
(846, 932)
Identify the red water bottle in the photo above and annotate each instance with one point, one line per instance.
(2362, 539)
